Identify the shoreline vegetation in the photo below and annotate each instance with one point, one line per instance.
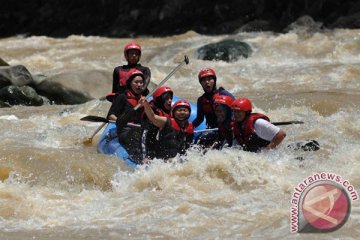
(113, 18)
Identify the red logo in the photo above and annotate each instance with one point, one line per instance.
(325, 207)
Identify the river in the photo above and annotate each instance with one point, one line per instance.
(54, 187)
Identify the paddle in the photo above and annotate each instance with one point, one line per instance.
(309, 145)
(275, 123)
(91, 118)
(127, 115)
(287, 123)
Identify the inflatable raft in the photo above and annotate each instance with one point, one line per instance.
(109, 144)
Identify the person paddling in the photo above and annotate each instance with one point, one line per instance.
(207, 78)
(222, 106)
(132, 53)
(176, 132)
(253, 131)
(122, 112)
(161, 105)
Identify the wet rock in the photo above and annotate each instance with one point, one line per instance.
(255, 26)
(58, 94)
(84, 81)
(24, 95)
(3, 63)
(4, 104)
(227, 50)
(304, 24)
(15, 75)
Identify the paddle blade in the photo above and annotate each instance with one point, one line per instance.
(88, 141)
(94, 119)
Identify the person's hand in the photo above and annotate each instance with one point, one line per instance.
(142, 100)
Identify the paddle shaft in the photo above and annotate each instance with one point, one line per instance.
(275, 123)
(91, 118)
(89, 140)
(186, 60)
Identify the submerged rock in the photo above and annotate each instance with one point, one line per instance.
(227, 50)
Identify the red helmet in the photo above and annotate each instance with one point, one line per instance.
(242, 104)
(223, 100)
(161, 90)
(132, 73)
(180, 103)
(206, 72)
(129, 46)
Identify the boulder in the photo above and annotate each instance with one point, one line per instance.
(24, 95)
(255, 26)
(304, 24)
(92, 83)
(58, 94)
(228, 50)
(3, 63)
(16, 75)
(4, 104)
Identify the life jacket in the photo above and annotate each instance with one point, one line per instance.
(174, 124)
(132, 98)
(207, 102)
(246, 136)
(173, 139)
(123, 75)
(124, 70)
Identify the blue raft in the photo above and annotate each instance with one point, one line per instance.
(110, 145)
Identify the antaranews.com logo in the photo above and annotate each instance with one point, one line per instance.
(321, 203)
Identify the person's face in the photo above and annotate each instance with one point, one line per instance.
(181, 113)
(207, 83)
(137, 84)
(168, 100)
(239, 115)
(220, 114)
(133, 56)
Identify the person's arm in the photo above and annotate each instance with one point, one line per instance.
(269, 132)
(199, 114)
(117, 107)
(158, 121)
(279, 137)
(115, 80)
(147, 75)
